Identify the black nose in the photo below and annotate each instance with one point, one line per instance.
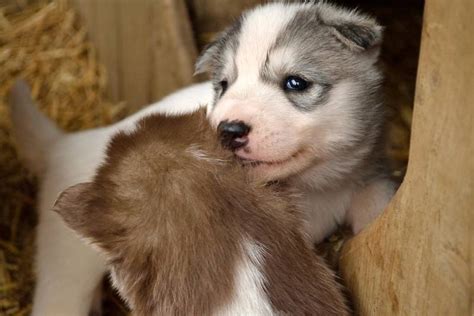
(233, 134)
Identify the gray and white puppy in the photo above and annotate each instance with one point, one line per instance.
(297, 97)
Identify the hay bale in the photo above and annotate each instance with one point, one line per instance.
(42, 42)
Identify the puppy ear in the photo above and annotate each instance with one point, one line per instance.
(207, 58)
(73, 206)
(212, 53)
(359, 37)
(358, 32)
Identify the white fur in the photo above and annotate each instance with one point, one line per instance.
(201, 154)
(332, 127)
(326, 211)
(259, 31)
(368, 202)
(249, 295)
(31, 129)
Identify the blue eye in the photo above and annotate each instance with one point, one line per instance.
(295, 83)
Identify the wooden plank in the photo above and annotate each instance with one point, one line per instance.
(416, 259)
(147, 46)
(212, 16)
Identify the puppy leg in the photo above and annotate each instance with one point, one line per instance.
(68, 271)
(96, 307)
(368, 203)
(325, 211)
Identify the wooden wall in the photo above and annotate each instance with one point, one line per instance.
(147, 46)
(211, 16)
(417, 258)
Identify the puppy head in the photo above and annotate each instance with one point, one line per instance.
(295, 88)
(147, 205)
(137, 166)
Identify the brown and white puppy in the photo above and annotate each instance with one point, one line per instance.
(186, 232)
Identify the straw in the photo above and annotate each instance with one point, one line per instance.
(44, 43)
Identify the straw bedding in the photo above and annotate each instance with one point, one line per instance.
(44, 42)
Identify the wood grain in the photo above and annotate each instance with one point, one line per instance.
(147, 46)
(212, 16)
(416, 259)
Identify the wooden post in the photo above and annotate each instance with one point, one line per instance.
(147, 46)
(416, 259)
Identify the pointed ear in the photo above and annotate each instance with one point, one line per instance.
(212, 53)
(207, 58)
(358, 32)
(359, 37)
(73, 206)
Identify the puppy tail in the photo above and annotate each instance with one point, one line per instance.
(33, 131)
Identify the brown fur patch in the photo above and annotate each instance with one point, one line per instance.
(171, 210)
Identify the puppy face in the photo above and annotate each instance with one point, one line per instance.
(296, 89)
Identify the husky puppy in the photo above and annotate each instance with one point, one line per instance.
(185, 232)
(294, 94)
(297, 98)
